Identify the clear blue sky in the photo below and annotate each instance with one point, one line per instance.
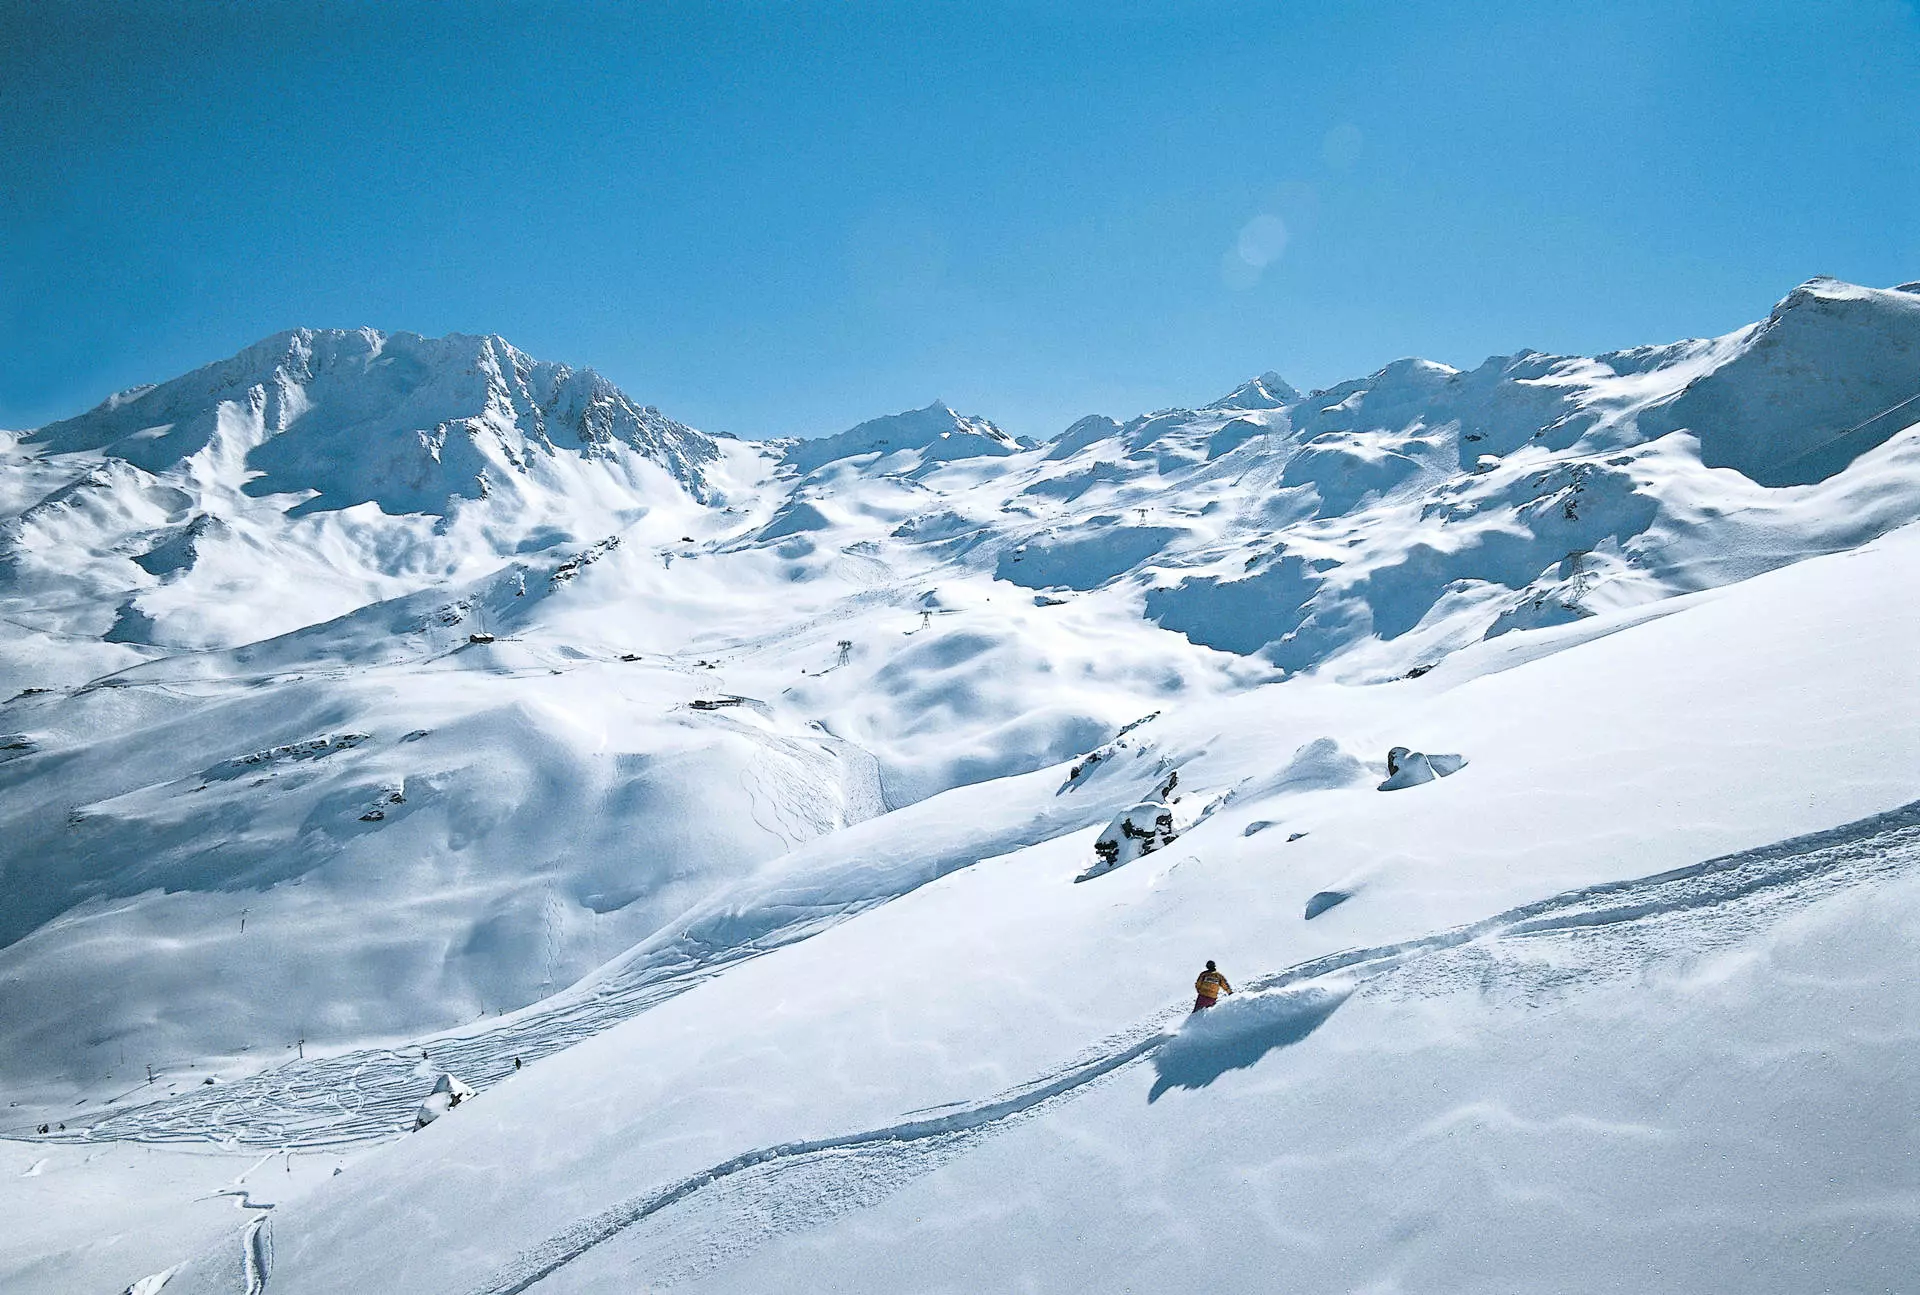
(784, 218)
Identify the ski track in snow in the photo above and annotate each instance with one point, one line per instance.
(257, 1254)
(1532, 953)
(372, 1093)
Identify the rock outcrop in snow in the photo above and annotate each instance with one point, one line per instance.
(1136, 832)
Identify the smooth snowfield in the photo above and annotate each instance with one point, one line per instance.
(995, 1045)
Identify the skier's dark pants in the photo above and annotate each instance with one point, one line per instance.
(1201, 1003)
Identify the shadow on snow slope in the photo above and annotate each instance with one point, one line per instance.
(371, 1093)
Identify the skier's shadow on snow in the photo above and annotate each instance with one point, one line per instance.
(1243, 1029)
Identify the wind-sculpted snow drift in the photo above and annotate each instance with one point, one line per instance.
(365, 696)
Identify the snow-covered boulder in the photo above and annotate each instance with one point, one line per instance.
(1408, 768)
(1139, 831)
(447, 1093)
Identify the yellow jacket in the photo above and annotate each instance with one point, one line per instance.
(1211, 985)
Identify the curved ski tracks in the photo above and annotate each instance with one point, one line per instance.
(1732, 894)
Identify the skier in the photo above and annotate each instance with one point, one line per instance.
(1209, 987)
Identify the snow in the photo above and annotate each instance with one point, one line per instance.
(1827, 375)
(446, 1093)
(1412, 768)
(1420, 1137)
(1134, 834)
(99, 1217)
(918, 438)
(411, 709)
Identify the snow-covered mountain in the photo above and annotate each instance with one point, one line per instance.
(384, 706)
(407, 422)
(316, 472)
(926, 437)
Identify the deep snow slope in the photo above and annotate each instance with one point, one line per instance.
(371, 696)
(1621, 1004)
